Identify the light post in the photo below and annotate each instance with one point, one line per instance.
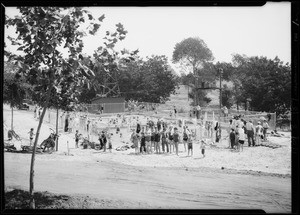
(220, 73)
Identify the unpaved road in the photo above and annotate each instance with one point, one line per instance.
(150, 187)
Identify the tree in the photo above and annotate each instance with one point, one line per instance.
(150, 80)
(14, 88)
(227, 96)
(41, 33)
(192, 53)
(266, 82)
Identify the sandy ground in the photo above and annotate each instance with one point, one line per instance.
(258, 177)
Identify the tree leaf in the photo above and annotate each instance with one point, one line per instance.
(101, 18)
(90, 17)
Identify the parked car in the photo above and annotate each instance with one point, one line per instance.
(28, 101)
(24, 106)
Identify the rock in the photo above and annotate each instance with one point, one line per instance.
(222, 167)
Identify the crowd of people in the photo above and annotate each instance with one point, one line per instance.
(161, 136)
(242, 130)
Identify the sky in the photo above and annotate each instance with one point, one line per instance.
(253, 31)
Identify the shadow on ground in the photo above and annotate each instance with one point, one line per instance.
(19, 199)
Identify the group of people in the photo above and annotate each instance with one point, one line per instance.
(242, 130)
(162, 138)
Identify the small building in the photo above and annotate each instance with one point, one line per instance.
(107, 105)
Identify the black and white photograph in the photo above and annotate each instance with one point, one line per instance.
(148, 107)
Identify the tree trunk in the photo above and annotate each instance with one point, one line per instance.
(12, 118)
(56, 129)
(31, 181)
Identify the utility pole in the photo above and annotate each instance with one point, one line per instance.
(220, 73)
(195, 90)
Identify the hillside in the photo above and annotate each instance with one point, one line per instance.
(182, 102)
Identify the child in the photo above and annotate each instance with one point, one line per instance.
(77, 135)
(218, 132)
(143, 143)
(31, 135)
(190, 145)
(185, 138)
(241, 134)
(202, 147)
(232, 138)
(157, 141)
(170, 139)
(176, 140)
(135, 140)
(164, 141)
(109, 142)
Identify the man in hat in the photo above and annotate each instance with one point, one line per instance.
(250, 133)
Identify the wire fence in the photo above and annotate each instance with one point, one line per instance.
(90, 124)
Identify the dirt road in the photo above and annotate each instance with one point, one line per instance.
(150, 187)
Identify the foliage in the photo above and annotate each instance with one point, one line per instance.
(42, 32)
(150, 80)
(14, 87)
(266, 82)
(227, 96)
(193, 53)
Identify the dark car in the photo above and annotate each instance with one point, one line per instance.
(24, 106)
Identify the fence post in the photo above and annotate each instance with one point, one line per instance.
(57, 129)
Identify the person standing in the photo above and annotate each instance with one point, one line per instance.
(143, 143)
(241, 136)
(175, 112)
(31, 134)
(104, 140)
(202, 147)
(170, 139)
(34, 112)
(258, 132)
(158, 124)
(190, 145)
(250, 133)
(135, 140)
(225, 111)
(176, 139)
(108, 137)
(232, 138)
(77, 135)
(157, 141)
(138, 128)
(218, 132)
(164, 141)
(265, 126)
(185, 137)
